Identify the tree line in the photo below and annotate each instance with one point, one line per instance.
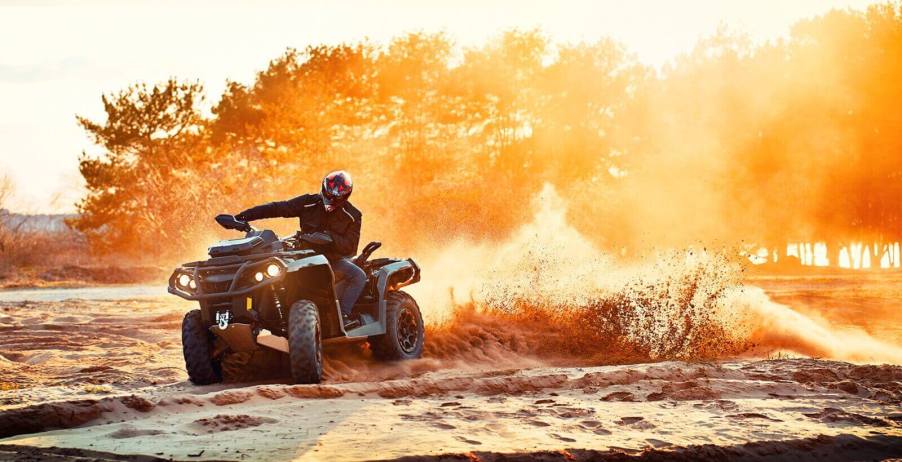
(794, 140)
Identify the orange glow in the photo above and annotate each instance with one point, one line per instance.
(109, 46)
(679, 220)
(725, 141)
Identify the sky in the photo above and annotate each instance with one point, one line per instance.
(58, 57)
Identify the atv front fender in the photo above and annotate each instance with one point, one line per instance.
(311, 278)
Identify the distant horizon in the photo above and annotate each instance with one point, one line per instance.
(4, 211)
(45, 82)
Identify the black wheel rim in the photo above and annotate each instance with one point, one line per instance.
(408, 330)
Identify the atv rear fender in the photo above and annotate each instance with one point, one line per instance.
(395, 275)
(389, 278)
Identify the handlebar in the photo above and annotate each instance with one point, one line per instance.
(230, 222)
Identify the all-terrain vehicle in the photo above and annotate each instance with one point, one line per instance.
(264, 292)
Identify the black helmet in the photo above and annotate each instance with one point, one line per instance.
(337, 187)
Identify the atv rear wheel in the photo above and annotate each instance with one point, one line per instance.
(197, 345)
(305, 347)
(404, 336)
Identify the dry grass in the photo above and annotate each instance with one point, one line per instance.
(48, 259)
(42, 249)
(30, 258)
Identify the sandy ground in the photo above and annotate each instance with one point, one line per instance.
(622, 408)
(90, 379)
(56, 350)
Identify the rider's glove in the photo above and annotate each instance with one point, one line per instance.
(241, 217)
(317, 238)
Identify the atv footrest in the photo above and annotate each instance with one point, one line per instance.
(343, 340)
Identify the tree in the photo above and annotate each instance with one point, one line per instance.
(151, 138)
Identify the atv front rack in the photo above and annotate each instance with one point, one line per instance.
(236, 278)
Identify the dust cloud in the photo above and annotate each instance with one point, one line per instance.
(548, 293)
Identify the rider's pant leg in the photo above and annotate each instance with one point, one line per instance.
(351, 280)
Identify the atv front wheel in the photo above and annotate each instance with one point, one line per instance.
(404, 336)
(198, 349)
(305, 347)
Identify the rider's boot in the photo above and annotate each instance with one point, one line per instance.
(350, 320)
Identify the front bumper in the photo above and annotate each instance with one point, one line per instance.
(236, 279)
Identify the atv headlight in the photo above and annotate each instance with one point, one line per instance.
(273, 270)
(184, 280)
(258, 277)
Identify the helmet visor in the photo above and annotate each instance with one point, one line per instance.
(328, 199)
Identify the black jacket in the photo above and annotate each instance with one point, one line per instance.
(342, 224)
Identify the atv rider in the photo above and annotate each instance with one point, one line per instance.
(331, 225)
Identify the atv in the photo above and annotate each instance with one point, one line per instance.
(264, 292)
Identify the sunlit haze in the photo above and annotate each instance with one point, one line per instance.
(59, 57)
(583, 229)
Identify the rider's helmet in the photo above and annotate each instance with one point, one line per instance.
(337, 187)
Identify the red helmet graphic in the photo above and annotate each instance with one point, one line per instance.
(337, 187)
